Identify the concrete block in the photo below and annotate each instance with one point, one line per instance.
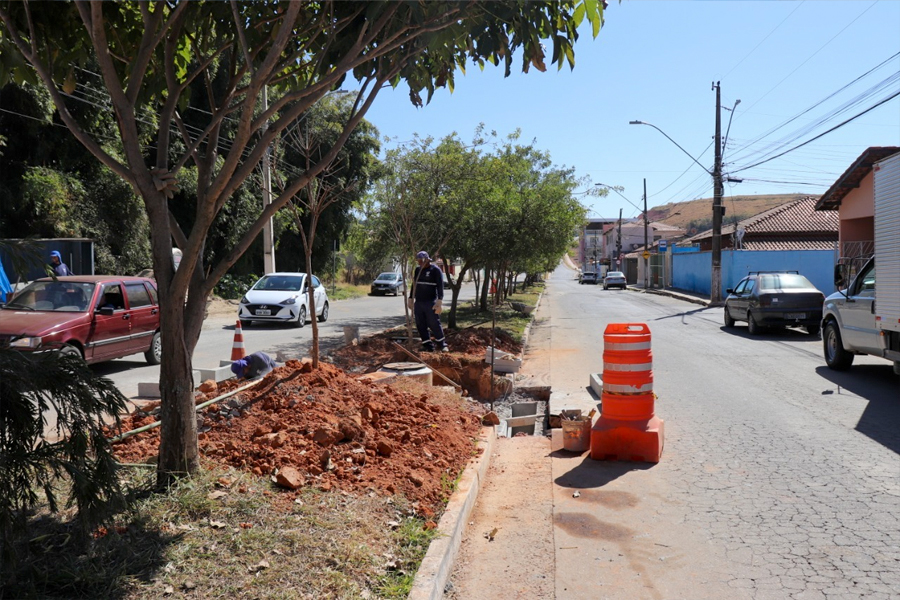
(596, 384)
(521, 421)
(149, 390)
(216, 374)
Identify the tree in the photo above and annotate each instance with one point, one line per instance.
(337, 187)
(423, 197)
(148, 56)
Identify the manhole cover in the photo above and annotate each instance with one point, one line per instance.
(404, 366)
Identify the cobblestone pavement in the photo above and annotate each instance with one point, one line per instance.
(768, 457)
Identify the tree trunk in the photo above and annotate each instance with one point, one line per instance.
(178, 450)
(485, 288)
(314, 350)
(179, 330)
(454, 301)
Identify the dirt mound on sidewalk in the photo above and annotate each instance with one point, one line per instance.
(327, 429)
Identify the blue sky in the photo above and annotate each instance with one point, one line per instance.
(655, 61)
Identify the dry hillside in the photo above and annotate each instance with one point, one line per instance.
(697, 214)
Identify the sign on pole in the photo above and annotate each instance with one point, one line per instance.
(662, 245)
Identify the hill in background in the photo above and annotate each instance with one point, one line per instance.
(695, 216)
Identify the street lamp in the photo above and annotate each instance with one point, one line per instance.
(715, 292)
(646, 245)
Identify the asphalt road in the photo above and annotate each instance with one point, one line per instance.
(370, 314)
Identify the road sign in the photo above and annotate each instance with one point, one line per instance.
(662, 245)
(646, 255)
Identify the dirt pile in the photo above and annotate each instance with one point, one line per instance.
(328, 429)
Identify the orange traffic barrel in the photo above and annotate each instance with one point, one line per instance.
(627, 359)
(628, 428)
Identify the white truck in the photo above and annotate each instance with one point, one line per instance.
(865, 318)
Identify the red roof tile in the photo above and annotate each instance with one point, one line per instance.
(798, 217)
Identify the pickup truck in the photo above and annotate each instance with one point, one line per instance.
(863, 318)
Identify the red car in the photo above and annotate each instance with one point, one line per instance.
(100, 317)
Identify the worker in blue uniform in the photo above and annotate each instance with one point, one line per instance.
(426, 301)
(253, 366)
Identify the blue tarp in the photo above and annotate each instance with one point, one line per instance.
(5, 288)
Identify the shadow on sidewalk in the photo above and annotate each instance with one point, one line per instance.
(592, 473)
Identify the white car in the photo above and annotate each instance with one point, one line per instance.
(614, 279)
(283, 298)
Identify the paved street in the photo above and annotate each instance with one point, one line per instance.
(779, 478)
(370, 314)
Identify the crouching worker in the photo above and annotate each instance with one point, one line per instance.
(253, 366)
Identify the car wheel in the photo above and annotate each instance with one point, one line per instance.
(324, 316)
(729, 322)
(836, 357)
(301, 317)
(813, 329)
(753, 328)
(70, 350)
(154, 353)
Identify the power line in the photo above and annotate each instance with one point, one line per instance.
(838, 126)
(820, 102)
(822, 47)
(761, 42)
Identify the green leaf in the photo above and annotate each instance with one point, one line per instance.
(579, 14)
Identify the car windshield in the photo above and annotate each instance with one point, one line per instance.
(616, 274)
(784, 281)
(280, 283)
(387, 277)
(53, 296)
(588, 274)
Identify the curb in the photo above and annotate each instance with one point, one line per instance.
(670, 294)
(433, 573)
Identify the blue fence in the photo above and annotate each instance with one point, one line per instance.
(693, 271)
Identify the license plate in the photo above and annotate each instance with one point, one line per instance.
(263, 313)
(795, 316)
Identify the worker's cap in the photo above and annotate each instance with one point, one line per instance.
(238, 366)
(423, 255)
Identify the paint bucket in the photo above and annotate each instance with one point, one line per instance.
(576, 434)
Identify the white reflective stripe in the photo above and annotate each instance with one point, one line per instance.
(627, 389)
(426, 283)
(627, 367)
(626, 347)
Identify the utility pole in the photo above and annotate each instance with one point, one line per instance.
(646, 245)
(268, 232)
(715, 292)
(619, 244)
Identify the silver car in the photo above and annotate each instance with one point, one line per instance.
(614, 279)
(283, 298)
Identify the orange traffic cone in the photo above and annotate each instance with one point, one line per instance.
(237, 350)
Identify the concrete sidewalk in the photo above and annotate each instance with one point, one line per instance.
(607, 522)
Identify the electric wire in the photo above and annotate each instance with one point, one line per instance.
(836, 127)
(822, 47)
